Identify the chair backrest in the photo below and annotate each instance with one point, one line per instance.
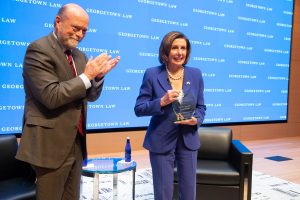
(10, 167)
(215, 143)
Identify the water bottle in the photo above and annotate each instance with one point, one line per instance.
(127, 150)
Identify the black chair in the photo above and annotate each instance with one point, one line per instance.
(17, 178)
(224, 167)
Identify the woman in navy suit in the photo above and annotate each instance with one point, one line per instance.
(170, 141)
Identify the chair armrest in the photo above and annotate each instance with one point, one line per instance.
(242, 159)
(240, 153)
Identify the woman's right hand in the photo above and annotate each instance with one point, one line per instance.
(169, 97)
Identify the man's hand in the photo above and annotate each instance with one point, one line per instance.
(100, 66)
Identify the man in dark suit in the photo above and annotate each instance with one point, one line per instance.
(58, 82)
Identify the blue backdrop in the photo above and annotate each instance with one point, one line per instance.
(242, 48)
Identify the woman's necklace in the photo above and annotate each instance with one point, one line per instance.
(173, 77)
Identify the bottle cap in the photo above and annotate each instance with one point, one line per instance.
(128, 138)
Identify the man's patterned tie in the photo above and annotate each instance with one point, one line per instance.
(72, 66)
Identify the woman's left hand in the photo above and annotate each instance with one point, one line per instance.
(192, 121)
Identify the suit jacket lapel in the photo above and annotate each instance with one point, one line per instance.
(187, 80)
(59, 52)
(163, 79)
(165, 83)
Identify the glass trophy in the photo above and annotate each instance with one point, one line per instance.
(184, 107)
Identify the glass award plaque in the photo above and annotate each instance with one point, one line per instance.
(184, 107)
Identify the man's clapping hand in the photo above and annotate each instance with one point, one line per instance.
(100, 66)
